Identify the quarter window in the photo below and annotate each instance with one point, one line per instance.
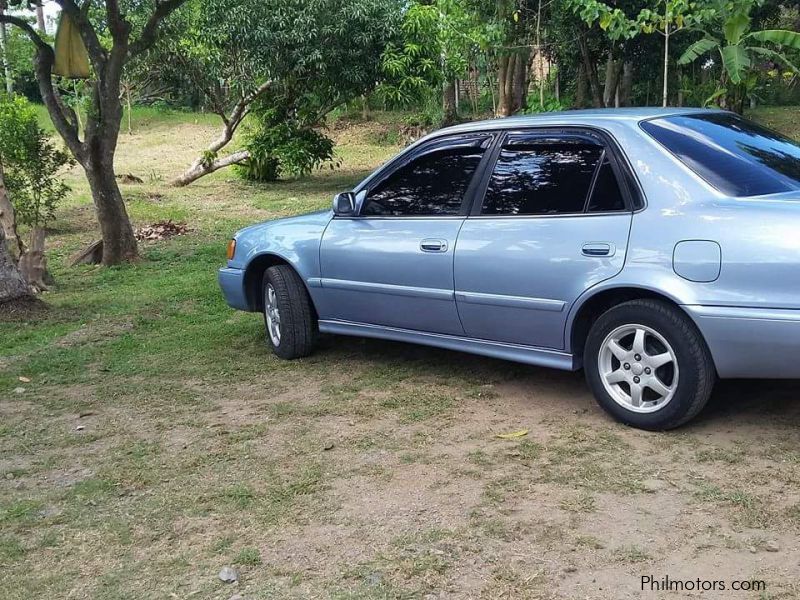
(606, 195)
(432, 184)
(539, 175)
(735, 155)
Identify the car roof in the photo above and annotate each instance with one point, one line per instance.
(574, 117)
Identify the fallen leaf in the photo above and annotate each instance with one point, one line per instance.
(513, 434)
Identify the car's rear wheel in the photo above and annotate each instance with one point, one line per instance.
(648, 365)
(288, 315)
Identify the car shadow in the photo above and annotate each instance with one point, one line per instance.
(733, 404)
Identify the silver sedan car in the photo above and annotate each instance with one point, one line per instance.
(657, 249)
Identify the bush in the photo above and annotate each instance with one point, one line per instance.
(286, 147)
(31, 162)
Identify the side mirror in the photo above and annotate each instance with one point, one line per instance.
(344, 204)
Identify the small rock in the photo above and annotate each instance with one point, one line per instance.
(19, 390)
(9, 475)
(651, 486)
(570, 569)
(80, 428)
(24, 380)
(752, 549)
(328, 446)
(772, 546)
(228, 575)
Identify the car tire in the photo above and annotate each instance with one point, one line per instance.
(289, 319)
(659, 388)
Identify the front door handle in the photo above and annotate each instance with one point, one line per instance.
(598, 249)
(431, 245)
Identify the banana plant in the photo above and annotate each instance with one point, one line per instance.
(740, 47)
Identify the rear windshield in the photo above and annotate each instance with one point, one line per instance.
(735, 155)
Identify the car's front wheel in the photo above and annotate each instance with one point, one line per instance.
(648, 365)
(288, 315)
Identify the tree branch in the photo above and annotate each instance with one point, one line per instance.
(45, 57)
(163, 9)
(66, 128)
(27, 28)
(119, 27)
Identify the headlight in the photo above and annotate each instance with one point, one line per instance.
(231, 249)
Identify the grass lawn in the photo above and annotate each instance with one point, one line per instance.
(157, 440)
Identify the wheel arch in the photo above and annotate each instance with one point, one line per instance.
(587, 310)
(254, 275)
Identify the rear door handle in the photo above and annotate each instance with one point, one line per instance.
(598, 249)
(431, 245)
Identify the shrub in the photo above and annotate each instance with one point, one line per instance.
(280, 147)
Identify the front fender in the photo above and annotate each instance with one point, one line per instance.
(295, 240)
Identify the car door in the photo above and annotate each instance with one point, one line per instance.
(553, 221)
(392, 263)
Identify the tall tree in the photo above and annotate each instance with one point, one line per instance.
(665, 17)
(304, 57)
(517, 19)
(112, 38)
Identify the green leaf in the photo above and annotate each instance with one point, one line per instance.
(713, 97)
(735, 27)
(782, 37)
(735, 61)
(776, 56)
(697, 49)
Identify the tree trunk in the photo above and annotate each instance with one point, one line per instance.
(505, 81)
(449, 104)
(590, 69)
(40, 22)
(610, 86)
(33, 264)
(557, 83)
(365, 108)
(8, 222)
(201, 167)
(626, 84)
(665, 94)
(12, 284)
(519, 84)
(6, 66)
(95, 152)
(119, 242)
(581, 88)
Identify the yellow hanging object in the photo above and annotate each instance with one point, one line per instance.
(72, 59)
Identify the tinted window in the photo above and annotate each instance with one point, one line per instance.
(538, 176)
(434, 183)
(737, 157)
(606, 195)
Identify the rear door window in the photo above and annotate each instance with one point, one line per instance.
(538, 174)
(736, 156)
